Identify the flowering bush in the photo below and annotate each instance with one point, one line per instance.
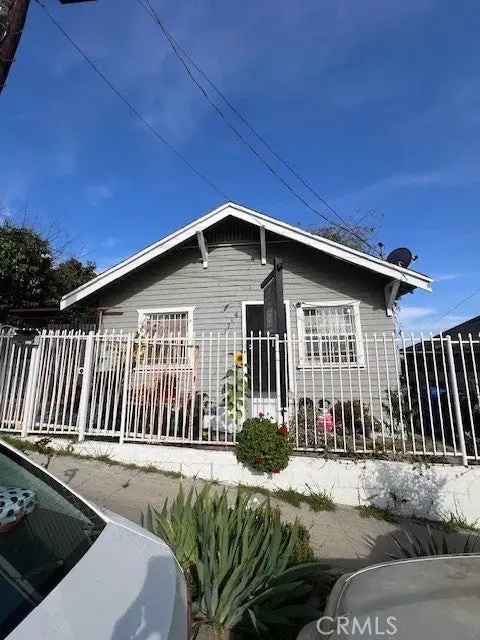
(263, 446)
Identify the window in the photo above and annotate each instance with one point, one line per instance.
(171, 333)
(329, 334)
(168, 323)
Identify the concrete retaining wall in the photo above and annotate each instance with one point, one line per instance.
(418, 489)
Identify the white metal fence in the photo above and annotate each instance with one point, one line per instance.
(390, 394)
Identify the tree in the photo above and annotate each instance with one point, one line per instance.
(25, 267)
(30, 275)
(69, 275)
(359, 238)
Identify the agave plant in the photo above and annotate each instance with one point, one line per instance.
(176, 525)
(238, 556)
(432, 543)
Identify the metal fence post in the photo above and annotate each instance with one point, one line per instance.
(456, 401)
(126, 383)
(86, 386)
(30, 389)
(277, 378)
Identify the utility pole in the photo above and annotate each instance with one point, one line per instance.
(12, 18)
(13, 14)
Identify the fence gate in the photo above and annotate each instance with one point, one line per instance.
(56, 375)
(15, 357)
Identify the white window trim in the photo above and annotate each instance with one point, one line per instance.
(189, 310)
(303, 363)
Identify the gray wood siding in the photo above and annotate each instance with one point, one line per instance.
(234, 275)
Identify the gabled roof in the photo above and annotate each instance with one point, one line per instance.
(340, 251)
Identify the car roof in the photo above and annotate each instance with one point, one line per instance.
(436, 597)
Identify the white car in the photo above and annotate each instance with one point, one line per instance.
(71, 571)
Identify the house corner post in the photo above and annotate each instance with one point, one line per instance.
(456, 401)
(86, 386)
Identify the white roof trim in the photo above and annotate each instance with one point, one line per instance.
(329, 247)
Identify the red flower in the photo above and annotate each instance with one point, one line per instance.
(261, 415)
(275, 470)
(283, 431)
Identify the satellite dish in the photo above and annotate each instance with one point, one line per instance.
(401, 257)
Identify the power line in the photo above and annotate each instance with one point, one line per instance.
(133, 110)
(459, 304)
(182, 57)
(241, 117)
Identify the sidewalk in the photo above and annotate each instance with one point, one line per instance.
(341, 537)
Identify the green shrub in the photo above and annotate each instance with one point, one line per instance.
(240, 559)
(429, 542)
(319, 500)
(295, 498)
(262, 446)
(353, 415)
(371, 511)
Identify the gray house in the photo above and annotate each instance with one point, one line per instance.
(201, 286)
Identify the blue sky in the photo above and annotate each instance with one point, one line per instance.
(376, 103)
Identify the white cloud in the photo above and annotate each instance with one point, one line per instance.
(98, 193)
(157, 84)
(408, 314)
(109, 242)
(65, 162)
(426, 320)
(459, 175)
(447, 277)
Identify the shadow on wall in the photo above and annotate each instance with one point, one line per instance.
(410, 491)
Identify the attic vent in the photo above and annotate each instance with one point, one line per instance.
(231, 230)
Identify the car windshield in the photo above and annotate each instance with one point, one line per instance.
(44, 531)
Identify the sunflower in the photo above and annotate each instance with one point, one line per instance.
(239, 359)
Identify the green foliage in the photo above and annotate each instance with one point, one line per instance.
(26, 266)
(238, 558)
(303, 552)
(262, 446)
(29, 275)
(362, 234)
(459, 522)
(69, 275)
(319, 500)
(176, 524)
(353, 415)
(432, 543)
(290, 496)
(236, 388)
(371, 511)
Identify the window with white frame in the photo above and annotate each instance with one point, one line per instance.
(330, 334)
(175, 322)
(168, 334)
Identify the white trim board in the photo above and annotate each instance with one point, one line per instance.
(188, 310)
(258, 219)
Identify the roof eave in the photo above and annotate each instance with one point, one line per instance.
(334, 249)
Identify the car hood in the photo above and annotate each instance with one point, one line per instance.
(127, 585)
